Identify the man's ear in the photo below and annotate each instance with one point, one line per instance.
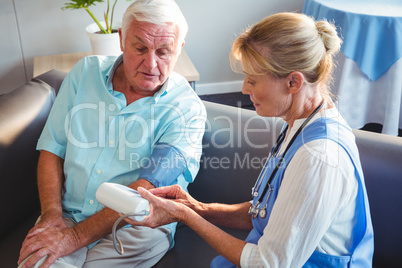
(294, 82)
(181, 48)
(121, 39)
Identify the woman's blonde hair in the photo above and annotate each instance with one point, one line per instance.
(286, 42)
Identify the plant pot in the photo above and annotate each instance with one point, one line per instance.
(103, 44)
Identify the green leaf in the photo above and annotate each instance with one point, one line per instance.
(85, 4)
(77, 4)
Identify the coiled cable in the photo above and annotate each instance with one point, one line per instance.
(116, 240)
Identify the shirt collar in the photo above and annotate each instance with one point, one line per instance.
(163, 91)
(110, 73)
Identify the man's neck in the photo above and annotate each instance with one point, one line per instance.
(121, 84)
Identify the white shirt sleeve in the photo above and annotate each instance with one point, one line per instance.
(314, 209)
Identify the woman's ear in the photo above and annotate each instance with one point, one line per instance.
(294, 82)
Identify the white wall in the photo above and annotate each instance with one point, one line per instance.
(12, 71)
(41, 27)
(213, 26)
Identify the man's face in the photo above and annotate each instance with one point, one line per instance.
(150, 52)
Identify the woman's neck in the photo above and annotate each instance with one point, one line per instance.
(303, 109)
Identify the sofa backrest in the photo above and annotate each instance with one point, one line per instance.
(381, 158)
(235, 145)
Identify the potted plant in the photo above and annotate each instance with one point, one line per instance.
(104, 38)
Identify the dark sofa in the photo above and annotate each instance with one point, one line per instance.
(235, 144)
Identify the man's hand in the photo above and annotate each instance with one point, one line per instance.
(53, 242)
(47, 237)
(51, 218)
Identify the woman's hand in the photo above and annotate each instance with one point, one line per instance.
(167, 205)
(177, 194)
(173, 204)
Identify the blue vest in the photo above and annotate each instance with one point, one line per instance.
(363, 247)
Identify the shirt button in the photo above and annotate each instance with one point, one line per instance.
(111, 142)
(99, 171)
(91, 202)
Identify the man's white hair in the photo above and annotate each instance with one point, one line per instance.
(158, 12)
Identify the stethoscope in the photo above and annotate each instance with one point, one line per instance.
(255, 210)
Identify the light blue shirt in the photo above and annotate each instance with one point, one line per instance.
(101, 139)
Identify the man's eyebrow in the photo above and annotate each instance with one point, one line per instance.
(165, 45)
(139, 39)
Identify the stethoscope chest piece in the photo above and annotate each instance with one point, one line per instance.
(263, 213)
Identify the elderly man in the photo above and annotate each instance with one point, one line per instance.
(128, 120)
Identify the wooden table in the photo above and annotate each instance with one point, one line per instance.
(64, 62)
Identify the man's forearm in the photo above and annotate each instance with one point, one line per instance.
(50, 181)
(101, 223)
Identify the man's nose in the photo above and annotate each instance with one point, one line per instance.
(150, 60)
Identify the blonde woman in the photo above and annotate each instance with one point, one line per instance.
(310, 206)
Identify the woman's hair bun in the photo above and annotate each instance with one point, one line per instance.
(329, 36)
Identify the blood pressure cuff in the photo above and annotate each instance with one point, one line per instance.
(164, 166)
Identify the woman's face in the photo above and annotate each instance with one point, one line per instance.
(268, 93)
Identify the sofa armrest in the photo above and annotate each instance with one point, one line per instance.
(23, 113)
(53, 78)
